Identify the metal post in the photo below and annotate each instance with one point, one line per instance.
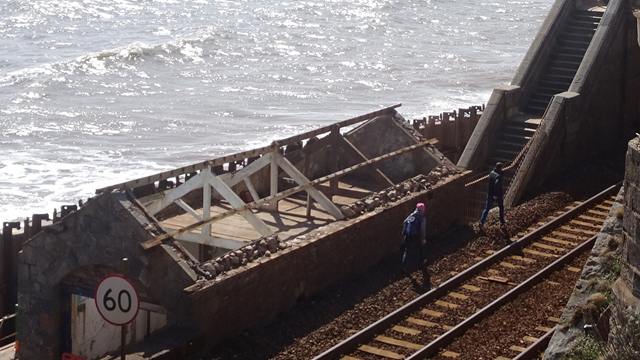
(123, 343)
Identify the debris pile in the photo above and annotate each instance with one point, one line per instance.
(262, 247)
(399, 191)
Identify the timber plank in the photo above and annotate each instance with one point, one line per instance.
(431, 312)
(596, 212)
(406, 330)
(548, 247)
(510, 265)
(554, 319)
(290, 221)
(544, 328)
(517, 348)
(458, 295)
(574, 269)
(347, 357)
(582, 223)
(396, 342)
(530, 339)
(522, 258)
(380, 352)
(565, 234)
(533, 252)
(471, 288)
(588, 232)
(421, 322)
(591, 218)
(450, 354)
(557, 241)
(497, 279)
(447, 304)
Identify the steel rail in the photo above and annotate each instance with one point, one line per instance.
(397, 315)
(532, 351)
(433, 347)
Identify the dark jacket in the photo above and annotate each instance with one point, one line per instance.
(422, 224)
(495, 183)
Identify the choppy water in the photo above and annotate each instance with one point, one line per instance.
(96, 92)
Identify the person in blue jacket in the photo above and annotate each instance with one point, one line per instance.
(414, 231)
(494, 193)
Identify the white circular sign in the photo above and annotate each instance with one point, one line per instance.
(117, 300)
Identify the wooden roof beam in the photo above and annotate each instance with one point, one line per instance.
(357, 155)
(158, 239)
(242, 155)
(318, 196)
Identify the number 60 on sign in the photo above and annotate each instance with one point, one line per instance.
(117, 300)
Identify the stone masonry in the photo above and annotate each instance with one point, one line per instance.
(78, 251)
(627, 288)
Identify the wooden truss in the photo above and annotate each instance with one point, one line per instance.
(223, 183)
(208, 180)
(209, 177)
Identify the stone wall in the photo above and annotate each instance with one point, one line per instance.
(630, 274)
(14, 234)
(255, 294)
(625, 320)
(81, 248)
(384, 135)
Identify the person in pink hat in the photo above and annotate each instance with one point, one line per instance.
(414, 231)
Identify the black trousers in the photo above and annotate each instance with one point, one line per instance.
(412, 241)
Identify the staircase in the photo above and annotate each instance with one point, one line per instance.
(565, 60)
(556, 77)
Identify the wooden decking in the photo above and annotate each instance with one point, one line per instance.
(289, 222)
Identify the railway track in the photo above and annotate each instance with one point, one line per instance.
(435, 324)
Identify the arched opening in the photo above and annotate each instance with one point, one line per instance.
(84, 332)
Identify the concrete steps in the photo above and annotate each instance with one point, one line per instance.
(561, 68)
(511, 138)
(556, 77)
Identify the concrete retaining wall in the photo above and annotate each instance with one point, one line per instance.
(503, 103)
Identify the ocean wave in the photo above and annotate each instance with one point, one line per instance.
(99, 92)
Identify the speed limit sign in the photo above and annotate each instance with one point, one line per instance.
(117, 300)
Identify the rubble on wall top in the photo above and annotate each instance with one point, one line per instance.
(265, 247)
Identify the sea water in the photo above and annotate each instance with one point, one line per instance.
(97, 92)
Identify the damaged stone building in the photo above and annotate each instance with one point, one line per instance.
(230, 243)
